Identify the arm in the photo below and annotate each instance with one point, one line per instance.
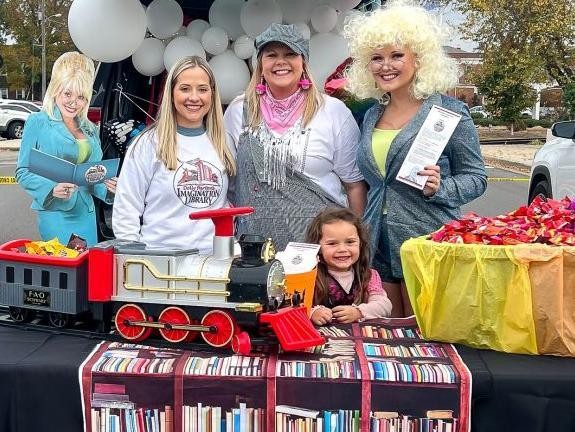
(468, 179)
(356, 196)
(40, 188)
(378, 304)
(133, 182)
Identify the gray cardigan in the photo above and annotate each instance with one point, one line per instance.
(409, 213)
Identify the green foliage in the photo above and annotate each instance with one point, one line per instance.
(543, 30)
(504, 78)
(569, 98)
(20, 26)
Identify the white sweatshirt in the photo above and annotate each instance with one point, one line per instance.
(165, 198)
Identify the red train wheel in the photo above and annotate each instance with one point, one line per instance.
(174, 315)
(241, 343)
(225, 328)
(129, 313)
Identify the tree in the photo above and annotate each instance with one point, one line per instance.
(504, 78)
(21, 28)
(569, 98)
(543, 29)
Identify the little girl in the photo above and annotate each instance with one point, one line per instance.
(346, 289)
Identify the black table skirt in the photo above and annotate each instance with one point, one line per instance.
(39, 386)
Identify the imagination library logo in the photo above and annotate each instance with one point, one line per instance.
(95, 174)
(198, 183)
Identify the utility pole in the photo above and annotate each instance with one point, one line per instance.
(43, 27)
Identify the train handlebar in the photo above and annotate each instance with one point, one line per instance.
(223, 218)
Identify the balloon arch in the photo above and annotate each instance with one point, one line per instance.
(156, 38)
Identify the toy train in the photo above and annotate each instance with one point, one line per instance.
(182, 294)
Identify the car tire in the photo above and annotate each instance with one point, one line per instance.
(15, 129)
(541, 188)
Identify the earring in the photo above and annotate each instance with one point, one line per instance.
(261, 87)
(304, 82)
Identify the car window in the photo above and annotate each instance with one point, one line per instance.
(15, 108)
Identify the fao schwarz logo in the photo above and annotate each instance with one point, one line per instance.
(36, 298)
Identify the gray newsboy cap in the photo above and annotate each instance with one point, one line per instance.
(287, 34)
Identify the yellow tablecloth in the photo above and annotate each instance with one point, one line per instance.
(518, 299)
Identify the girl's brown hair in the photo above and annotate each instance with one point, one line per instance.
(361, 268)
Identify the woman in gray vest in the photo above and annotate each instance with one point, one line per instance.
(399, 60)
(296, 148)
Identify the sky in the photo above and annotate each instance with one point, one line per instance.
(453, 19)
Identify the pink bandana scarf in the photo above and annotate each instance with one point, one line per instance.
(281, 114)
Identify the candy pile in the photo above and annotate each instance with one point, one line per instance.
(543, 221)
(75, 246)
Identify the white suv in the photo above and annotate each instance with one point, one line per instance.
(553, 168)
(12, 121)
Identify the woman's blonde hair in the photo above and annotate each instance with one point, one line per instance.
(400, 23)
(166, 125)
(75, 72)
(313, 98)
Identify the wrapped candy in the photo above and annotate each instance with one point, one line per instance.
(545, 221)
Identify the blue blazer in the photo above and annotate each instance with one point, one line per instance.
(51, 136)
(409, 213)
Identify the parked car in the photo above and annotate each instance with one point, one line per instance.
(31, 106)
(553, 168)
(21, 108)
(479, 110)
(527, 113)
(12, 121)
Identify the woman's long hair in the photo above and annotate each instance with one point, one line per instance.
(166, 125)
(361, 268)
(75, 72)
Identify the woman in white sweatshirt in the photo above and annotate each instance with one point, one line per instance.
(179, 164)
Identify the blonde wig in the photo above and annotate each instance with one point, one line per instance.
(75, 72)
(166, 126)
(313, 98)
(404, 24)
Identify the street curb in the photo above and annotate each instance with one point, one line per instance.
(515, 167)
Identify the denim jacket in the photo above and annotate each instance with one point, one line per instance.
(409, 213)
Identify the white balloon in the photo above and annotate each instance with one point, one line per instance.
(344, 5)
(149, 58)
(215, 40)
(244, 47)
(296, 10)
(323, 18)
(124, 21)
(303, 29)
(182, 47)
(196, 29)
(165, 18)
(226, 14)
(232, 75)
(344, 17)
(326, 52)
(257, 15)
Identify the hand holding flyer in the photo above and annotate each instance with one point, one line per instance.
(428, 145)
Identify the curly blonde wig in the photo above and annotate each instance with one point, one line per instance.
(404, 24)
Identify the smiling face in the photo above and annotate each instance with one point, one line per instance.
(192, 96)
(70, 103)
(339, 245)
(393, 68)
(282, 69)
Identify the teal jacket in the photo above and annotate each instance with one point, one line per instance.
(51, 136)
(409, 213)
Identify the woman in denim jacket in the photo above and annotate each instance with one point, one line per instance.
(399, 60)
(62, 129)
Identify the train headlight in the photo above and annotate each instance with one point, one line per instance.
(276, 284)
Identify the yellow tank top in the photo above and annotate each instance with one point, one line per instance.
(381, 140)
(83, 149)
